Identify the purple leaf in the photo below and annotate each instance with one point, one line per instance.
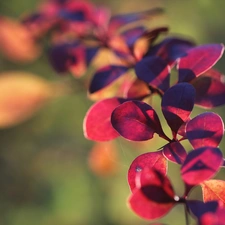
(198, 60)
(175, 152)
(199, 208)
(97, 125)
(154, 160)
(154, 71)
(155, 196)
(201, 164)
(136, 121)
(177, 104)
(210, 89)
(170, 49)
(105, 76)
(206, 129)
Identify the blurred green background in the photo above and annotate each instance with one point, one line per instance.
(44, 174)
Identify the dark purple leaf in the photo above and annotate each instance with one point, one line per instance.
(210, 89)
(154, 197)
(136, 121)
(154, 160)
(201, 164)
(198, 60)
(170, 49)
(175, 152)
(154, 71)
(177, 104)
(62, 56)
(97, 125)
(199, 208)
(206, 129)
(105, 76)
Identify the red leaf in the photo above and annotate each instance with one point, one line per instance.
(175, 152)
(177, 104)
(198, 60)
(136, 121)
(154, 197)
(201, 164)
(154, 160)
(97, 125)
(214, 190)
(206, 129)
(210, 89)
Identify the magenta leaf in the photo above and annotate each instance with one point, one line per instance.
(97, 125)
(136, 121)
(154, 197)
(210, 89)
(206, 129)
(105, 76)
(177, 104)
(154, 71)
(154, 160)
(175, 152)
(201, 164)
(198, 60)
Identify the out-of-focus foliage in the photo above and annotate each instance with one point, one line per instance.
(44, 173)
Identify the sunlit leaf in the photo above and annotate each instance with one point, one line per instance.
(103, 159)
(198, 60)
(206, 129)
(16, 42)
(21, 95)
(105, 76)
(154, 71)
(138, 89)
(213, 190)
(201, 164)
(154, 197)
(97, 125)
(177, 104)
(136, 121)
(210, 89)
(175, 152)
(154, 160)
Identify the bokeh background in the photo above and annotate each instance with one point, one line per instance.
(46, 172)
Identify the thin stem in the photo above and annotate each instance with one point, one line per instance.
(186, 214)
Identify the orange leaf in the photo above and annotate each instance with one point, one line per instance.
(103, 159)
(214, 190)
(16, 42)
(21, 95)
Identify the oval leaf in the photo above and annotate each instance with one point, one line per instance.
(201, 164)
(210, 89)
(136, 121)
(154, 160)
(105, 76)
(155, 196)
(154, 71)
(206, 129)
(214, 190)
(97, 125)
(175, 152)
(198, 60)
(177, 104)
